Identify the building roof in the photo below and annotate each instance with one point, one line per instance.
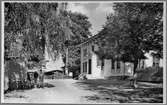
(90, 39)
(100, 34)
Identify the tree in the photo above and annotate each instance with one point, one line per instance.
(44, 26)
(134, 29)
(145, 28)
(80, 28)
(22, 19)
(39, 24)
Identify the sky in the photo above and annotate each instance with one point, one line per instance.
(96, 13)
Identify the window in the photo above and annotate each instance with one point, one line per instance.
(85, 67)
(118, 65)
(85, 52)
(143, 63)
(93, 48)
(112, 64)
(90, 67)
(98, 61)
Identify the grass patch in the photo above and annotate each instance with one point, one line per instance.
(120, 91)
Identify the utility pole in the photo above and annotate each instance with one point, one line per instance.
(66, 64)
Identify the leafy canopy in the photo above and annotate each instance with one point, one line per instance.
(133, 30)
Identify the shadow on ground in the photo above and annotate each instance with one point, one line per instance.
(18, 93)
(47, 85)
(28, 87)
(120, 91)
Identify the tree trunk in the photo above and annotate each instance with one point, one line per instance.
(66, 63)
(124, 71)
(43, 40)
(135, 74)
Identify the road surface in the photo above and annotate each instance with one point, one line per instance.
(89, 91)
(60, 91)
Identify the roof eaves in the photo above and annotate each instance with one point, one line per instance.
(89, 39)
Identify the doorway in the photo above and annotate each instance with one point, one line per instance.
(90, 67)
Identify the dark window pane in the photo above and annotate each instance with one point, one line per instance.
(118, 65)
(90, 67)
(85, 52)
(93, 48)
(85, 67)
(113, 64)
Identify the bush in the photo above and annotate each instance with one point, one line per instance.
(158, 76)
(15, 76)
(150, 74)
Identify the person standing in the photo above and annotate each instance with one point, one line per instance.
(29, 80)
(35, 78)
(41, 78)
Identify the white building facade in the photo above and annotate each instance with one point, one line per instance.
(94, 68)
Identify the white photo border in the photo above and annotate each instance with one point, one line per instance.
(94, 1)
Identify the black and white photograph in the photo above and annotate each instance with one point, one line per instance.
(83, 52)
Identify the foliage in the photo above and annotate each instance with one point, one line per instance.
(80, 27)
(44, 26)
(37, 25)
(150, 74)
(23, 21)
(134, 29)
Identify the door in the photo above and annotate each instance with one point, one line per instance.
(90, 67)
(85, 67)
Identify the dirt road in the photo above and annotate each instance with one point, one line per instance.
(59, 91)
(89, 91)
